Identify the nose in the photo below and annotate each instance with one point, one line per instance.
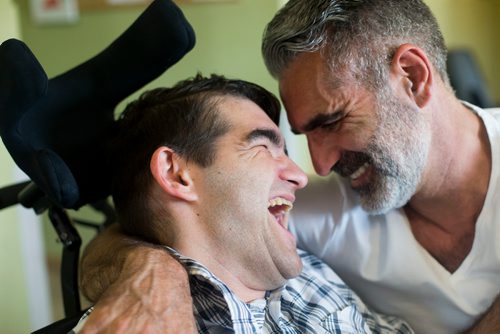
(293, 174)
(324, 155)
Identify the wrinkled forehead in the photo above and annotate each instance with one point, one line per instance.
(309, 88)
(313, 68)
(302, 84)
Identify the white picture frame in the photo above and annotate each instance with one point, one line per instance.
(54, 11)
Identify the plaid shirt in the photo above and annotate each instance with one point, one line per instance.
(317, 301)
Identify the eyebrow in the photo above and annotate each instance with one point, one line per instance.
(317, 121)
(273, 136)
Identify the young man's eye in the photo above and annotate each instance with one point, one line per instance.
(263, 148)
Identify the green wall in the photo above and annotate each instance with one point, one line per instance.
(14, 304)
(473, 24)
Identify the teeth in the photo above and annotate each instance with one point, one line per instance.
(281, 201)
(359, 172)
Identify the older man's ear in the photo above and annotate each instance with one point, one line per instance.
(412, 69)
(172, 174)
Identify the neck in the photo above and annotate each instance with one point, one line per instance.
(445, 208)
(458, 170)
(194, 240)
(226, 271)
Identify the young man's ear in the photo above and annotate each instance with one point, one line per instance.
(411, 69)
(172, 175)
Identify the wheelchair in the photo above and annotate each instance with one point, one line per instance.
(57, 129)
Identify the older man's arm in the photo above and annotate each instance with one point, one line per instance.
(490, 321)
(138, 287)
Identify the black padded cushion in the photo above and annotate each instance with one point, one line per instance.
(466, 78)
(56, 129)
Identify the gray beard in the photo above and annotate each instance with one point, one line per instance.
(397, 153)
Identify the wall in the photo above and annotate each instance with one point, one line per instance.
(473, 24)
(14, 305)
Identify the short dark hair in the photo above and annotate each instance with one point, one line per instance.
(184, 118)
(359, 36)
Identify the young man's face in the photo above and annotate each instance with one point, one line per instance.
(246, 194)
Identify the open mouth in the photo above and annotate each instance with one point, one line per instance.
(279, 207)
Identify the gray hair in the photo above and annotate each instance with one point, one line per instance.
(359, 36)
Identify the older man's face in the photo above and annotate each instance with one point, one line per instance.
(379, 143)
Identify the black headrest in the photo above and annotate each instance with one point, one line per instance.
(467, 79)
(56, 129)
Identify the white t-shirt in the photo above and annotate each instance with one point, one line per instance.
(381, 260)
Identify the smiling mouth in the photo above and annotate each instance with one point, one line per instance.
(360, 171)
(279, 207)
(352, 165)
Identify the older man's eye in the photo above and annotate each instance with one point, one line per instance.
(331, 125)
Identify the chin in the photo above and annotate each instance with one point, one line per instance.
(283, 277)
(295, 270)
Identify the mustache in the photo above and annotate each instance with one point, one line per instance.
(376, 156)
(349, 162)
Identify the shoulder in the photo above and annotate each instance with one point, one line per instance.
(487, 114)
(495, 112)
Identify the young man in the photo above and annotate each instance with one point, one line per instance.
(410, 219)
(201, 168)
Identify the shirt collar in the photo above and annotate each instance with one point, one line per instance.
(216, 303)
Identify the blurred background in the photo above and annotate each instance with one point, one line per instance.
(228, 42)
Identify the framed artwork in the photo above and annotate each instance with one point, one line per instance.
(54, 11)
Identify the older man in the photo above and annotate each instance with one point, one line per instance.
(415, 204)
